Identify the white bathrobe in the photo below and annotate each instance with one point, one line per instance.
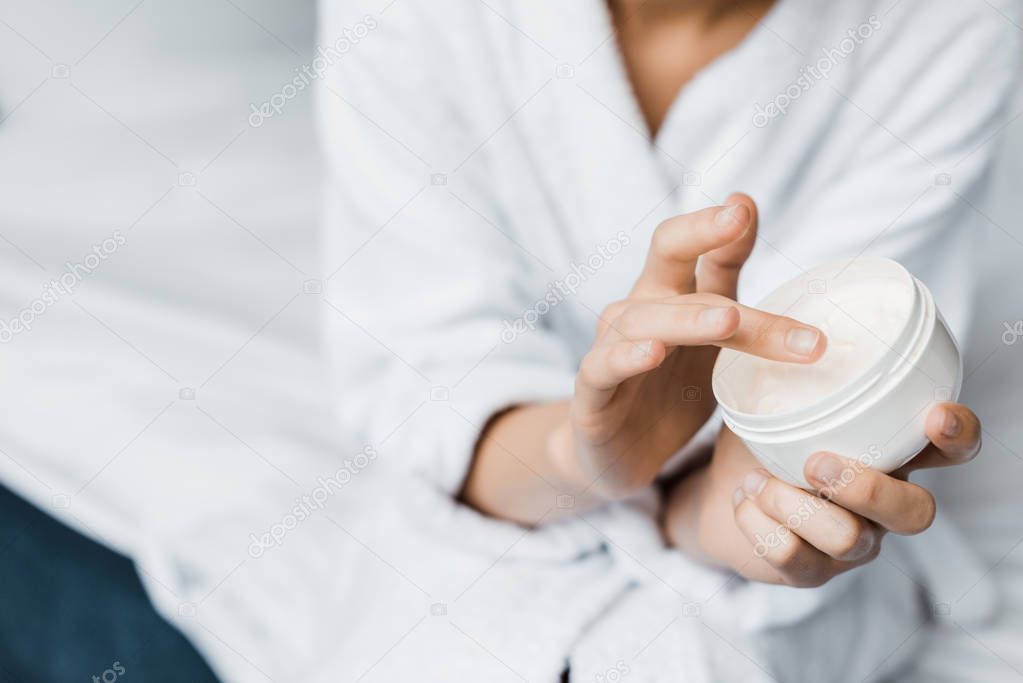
(480, 152)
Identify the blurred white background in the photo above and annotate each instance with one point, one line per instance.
(133, 117)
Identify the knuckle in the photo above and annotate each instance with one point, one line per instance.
(683, 316)
(589, 368)
(788, 558)
(615, 309)
(610, 315)
(628, 322)
(760, 331)
(717, 300)
(577, 416)
(662, 240)
(870, 489)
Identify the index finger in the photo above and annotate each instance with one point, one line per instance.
(768, 335)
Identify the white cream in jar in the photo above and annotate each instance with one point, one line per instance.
(889, 357)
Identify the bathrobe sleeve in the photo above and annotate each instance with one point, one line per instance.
(425, 281)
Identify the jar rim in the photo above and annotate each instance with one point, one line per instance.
(897, 360)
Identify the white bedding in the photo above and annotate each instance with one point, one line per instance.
(214, 292)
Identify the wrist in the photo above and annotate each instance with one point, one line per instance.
(682, 513)
(563, 458)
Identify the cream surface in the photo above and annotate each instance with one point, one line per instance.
(861, 317)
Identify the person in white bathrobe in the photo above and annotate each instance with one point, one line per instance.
(536, 242)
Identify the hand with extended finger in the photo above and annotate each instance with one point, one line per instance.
(643, 390)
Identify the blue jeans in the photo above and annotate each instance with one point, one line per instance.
(73, 610)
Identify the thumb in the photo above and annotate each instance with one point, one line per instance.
(718, 271)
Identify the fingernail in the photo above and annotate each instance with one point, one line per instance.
(738, 495)
(952, 426)
(753, 483)
(802, 340)
(827, 469)
(641, 351)
(715, 317)
(727, 215)
(976, 450)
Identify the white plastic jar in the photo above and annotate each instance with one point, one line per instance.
(889, 358)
